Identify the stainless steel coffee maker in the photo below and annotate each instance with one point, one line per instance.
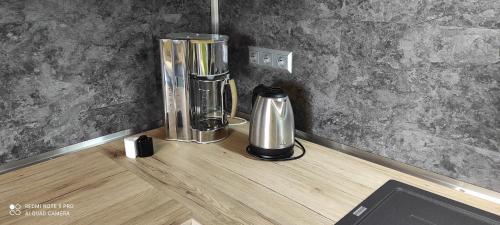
(195, 77)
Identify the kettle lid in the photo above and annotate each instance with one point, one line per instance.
(269, 92)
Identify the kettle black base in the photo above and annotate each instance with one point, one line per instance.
(270, 154)
(283, 154)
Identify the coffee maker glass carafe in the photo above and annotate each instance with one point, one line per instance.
(207, 103)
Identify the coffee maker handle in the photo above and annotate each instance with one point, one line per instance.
(234, 97)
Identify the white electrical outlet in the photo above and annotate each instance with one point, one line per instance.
(283, 61)
(253, 56)
(265, 58)
(270, 58)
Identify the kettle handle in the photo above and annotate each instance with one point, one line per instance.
(234, 97)
(256, 91)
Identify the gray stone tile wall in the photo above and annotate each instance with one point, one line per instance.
(414, 81)
(73, 70)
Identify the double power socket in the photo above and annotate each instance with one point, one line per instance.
(270, 58)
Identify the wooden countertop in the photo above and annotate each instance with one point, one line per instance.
(218, 184)
(84, 188)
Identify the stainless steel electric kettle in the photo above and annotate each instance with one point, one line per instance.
(272, 128)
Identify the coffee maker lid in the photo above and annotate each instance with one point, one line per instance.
(198, 37)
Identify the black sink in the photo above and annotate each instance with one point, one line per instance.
(396, 203)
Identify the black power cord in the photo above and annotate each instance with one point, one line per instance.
(297, 143)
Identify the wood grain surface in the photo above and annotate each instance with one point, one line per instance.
(94, 189)
(219, 183)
